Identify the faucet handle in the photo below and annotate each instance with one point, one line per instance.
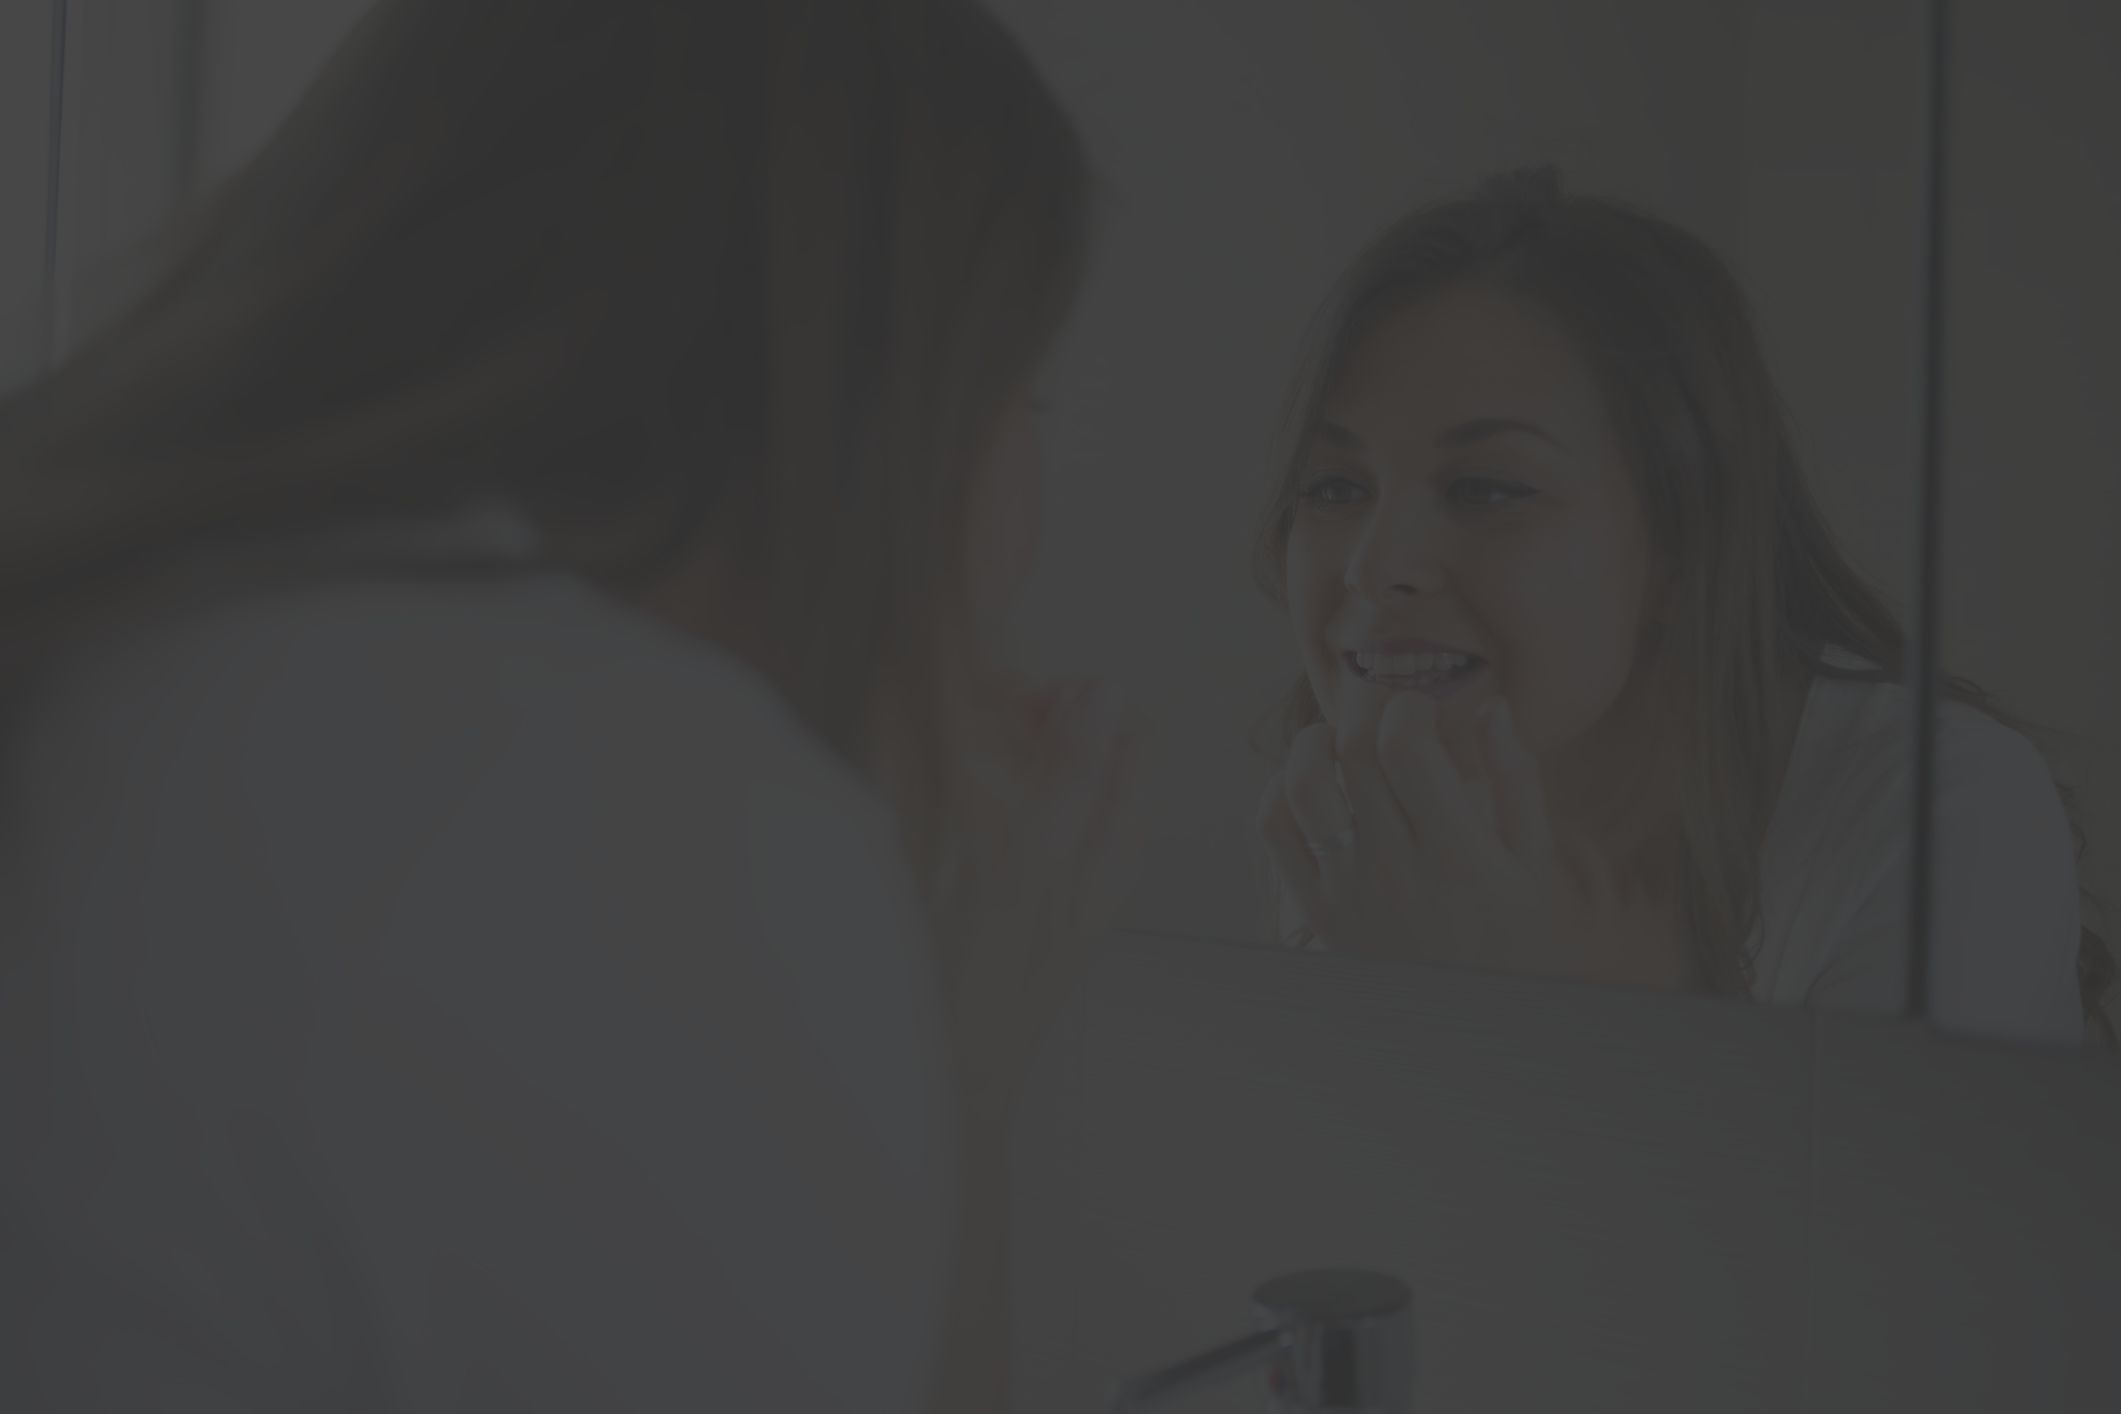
(1347, 1343)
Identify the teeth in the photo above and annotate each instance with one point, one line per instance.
(1411, 665)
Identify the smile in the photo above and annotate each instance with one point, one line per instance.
(1437, 674)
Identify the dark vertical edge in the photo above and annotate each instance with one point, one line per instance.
(190, 61)
(1926, 671)
(54, 170)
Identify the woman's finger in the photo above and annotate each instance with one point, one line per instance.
(1424, 781)
(1296, 864)
(1387, 914)
(1384, 839)
(1317, 804)
(1520, 796)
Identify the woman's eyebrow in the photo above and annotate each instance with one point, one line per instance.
(1480, 429)
(1330, 431)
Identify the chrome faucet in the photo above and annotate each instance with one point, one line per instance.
(1333, 1342)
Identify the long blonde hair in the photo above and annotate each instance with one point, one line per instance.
(1761, 588)
(754, 273)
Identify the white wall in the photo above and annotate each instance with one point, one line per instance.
(25, 131)
(1835, 133)
(2033, 593)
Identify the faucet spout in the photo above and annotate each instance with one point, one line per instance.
(1337, 1342)
(1210, 1367)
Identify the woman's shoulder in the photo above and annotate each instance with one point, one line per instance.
(1859, 730)
(319, 741)
(1848, 787)
(1835, 874)
(450, 625)
(445, 782)
(370, 859)
(412, 661)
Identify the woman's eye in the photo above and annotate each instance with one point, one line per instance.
(1331, 490)
(1480, 492)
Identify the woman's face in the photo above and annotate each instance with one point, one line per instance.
(1467, 527)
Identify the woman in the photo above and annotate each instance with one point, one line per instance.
(1588, 688)
(525, 885)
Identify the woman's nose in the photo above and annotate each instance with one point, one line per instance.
(1403, 550)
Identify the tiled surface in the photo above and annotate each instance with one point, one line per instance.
(1597, 1197)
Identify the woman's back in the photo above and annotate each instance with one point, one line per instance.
(442, 992)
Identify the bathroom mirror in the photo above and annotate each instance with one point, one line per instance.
(1249, 150)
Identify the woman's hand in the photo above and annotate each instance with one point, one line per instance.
(1384, 847)
(1032, 883)
(1028, 890)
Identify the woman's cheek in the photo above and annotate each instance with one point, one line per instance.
(1566, 677)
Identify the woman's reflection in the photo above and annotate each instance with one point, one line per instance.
(1588, 688)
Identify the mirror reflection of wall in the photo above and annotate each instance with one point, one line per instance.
(2032, 504)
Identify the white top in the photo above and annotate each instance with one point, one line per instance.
(2006, 915)
(455, 996)
(1834, 889)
